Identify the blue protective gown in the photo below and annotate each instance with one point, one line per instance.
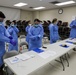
(13, 30)
(54, 36)
(3, 38)
(27, 36)
(35, 37)
(73, 29)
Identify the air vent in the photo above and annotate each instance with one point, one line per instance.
(54, 2)
(31, 7)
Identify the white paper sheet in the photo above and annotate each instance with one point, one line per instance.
(23, 57)
(68, 44)
(47, 54)
(74, 40)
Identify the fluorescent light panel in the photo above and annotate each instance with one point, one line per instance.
(20, 4)
(65, 3)
(37, 8)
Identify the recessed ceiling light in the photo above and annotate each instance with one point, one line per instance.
(40, 0)
(37, 8)
(20, 4)
(65, 3)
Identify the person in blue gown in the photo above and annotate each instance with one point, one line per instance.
(4, 37)
(27, 30)
(40, 24)
(13, 31)
(73, 29)
(53, 28)
(35, 35)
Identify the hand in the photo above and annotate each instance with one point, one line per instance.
(73, 26)
(10, 37)
(39, 36)
(13, 42)
(35, 37)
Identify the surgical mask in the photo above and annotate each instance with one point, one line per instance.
(36, 25)
(12, 25)
(1, 23)
(29, 24)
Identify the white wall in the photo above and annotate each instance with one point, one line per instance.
(26, 15)
(50, 14)
(10, 13)
(36, 14)
(16, 14)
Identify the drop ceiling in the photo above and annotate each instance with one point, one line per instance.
(33, 3)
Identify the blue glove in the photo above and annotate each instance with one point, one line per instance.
(39, 36)
(10, 37)
(73, 26)
(13, 42)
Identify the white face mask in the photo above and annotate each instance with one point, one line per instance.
(12, 25)
(1, 23)
(29, 24)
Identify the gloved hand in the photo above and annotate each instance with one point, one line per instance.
(73, 26)
(13, 42)
(39, 36)
(10, 37)
(34, 38)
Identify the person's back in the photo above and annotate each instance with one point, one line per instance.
(27, 30)
(53, 28)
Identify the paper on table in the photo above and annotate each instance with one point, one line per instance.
(20, 57)
(69, 44)
(47, 54)
(14, 60)
(72, 39)
(23, 57)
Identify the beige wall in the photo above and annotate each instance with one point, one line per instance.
(36, 14)
(47, 15)
(26, 15)
(50, 14)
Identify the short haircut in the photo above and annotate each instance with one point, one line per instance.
(54, 20)
(2, 14)
(37, 20)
